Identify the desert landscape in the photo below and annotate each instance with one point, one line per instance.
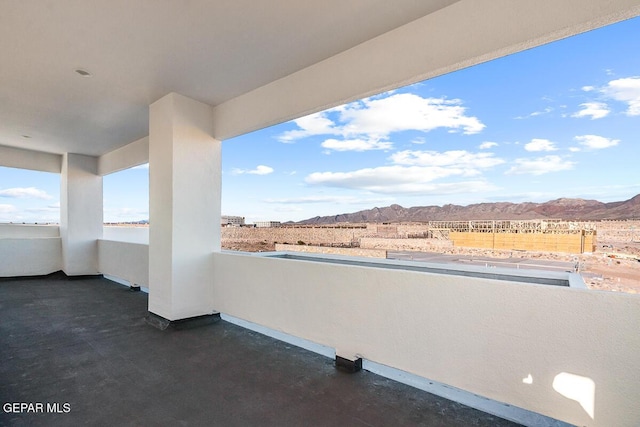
(611, 263)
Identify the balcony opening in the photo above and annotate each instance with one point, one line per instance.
(126, 205)
(537, 138)
(126, 196)
(29, 197)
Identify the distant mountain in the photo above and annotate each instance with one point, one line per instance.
(567, 209)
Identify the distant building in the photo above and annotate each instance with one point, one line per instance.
(267, 224)
(231, 221)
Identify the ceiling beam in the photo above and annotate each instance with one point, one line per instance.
(466, 33)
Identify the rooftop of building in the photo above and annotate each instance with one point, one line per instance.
(86, 343)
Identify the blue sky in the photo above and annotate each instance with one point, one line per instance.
(561, 120)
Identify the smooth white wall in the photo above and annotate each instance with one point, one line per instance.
(480, 335)
(29, 250)
(184, 206)
(125, 260)
(32, 160)
(133, 154)
(30, 256)
(80, 214)
(28, 231)
(126, 234)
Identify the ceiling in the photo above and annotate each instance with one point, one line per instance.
(258, 62)
(138, 51)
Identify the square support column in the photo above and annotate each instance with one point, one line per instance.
(184, 207)
(80, 214)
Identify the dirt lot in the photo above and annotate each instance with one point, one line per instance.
(244, 246)
(610, 268)
(599, 270)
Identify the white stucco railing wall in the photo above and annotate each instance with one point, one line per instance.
(29, 250)
(531, 346)
(28, 231)
(126, 234)
(124, 260)
(123, 253)
(566, 353)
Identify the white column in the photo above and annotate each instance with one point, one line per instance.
(184, 207)
(80, 214)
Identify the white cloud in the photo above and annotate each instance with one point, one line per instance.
(575, 149)
(313, 124)
(288, 209)
(536, 113)
(458, 159)
(540, 145)
(487, 144)
(540, 113)
(25, 193)
(356, 145)
(7, 209)
(540, 165)
(625, 90)
(330, 199)
(594, 110)
(376, 118)
(44, 209)
(407, 111)
(143, 166)
(588, 88)
(398, 180)
(259, 170)
(414, 171)
(595, 142)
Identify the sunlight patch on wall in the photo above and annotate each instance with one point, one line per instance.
(578, 388)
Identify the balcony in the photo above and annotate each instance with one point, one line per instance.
(517, 349)
(85, 343)
(512, 346)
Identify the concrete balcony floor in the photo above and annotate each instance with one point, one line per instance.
(85, 343)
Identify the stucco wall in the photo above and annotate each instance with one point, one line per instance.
(127, 261)
(310, 235)
(32, 160)
(372, 253)
(133, 154)
(405, 244)
(28, 231)
(29, 250)
(507, 341)
(30, 256)
(126, 234)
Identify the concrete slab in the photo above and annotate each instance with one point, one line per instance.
(84, 348)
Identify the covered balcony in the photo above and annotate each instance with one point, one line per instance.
(100, 87)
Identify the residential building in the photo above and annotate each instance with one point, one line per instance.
(228, 220)
(90, 88)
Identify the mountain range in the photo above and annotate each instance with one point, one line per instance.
(564, 208)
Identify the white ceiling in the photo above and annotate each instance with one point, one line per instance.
(258, 61)
(140, 50)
